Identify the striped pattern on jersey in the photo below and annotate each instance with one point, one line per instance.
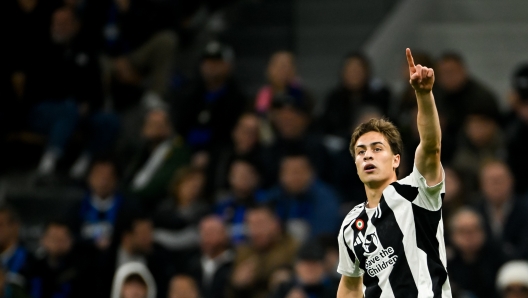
(398, 247)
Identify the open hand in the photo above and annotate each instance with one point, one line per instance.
(422, 78)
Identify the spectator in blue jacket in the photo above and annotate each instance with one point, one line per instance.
(307, 206)
(244, 192)
(13, 255)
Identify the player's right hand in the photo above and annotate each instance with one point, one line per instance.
(422, 78)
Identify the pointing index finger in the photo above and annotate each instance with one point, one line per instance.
(410, 59)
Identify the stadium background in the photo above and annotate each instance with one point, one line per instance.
(192, 70)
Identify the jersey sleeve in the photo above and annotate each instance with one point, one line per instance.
(429, 197)
(348, 263)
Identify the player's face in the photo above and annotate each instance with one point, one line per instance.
(374, 159)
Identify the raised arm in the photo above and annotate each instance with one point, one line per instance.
(427, 157)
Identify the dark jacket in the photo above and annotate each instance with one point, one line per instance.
(155, 190)
(514, 239)
(205, 118)
(70, 277)
(479, 276)
(216, 286)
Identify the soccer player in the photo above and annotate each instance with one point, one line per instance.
(392, 245)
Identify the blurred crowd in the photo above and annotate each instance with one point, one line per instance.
(196, 188)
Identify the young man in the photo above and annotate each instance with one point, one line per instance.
(392, 245)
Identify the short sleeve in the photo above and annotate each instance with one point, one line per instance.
(429, 197)
(348, 263)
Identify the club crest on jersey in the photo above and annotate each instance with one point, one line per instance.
(360, 224)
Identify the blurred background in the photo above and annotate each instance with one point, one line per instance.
(165, 148)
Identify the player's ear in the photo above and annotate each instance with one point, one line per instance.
(396, 161)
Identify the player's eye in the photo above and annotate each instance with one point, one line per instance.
(361, 152)
(377, 149)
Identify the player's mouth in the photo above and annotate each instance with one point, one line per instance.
(369, 168)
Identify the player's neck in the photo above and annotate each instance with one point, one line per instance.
(374, 190)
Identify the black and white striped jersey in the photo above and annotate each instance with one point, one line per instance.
(398, 247)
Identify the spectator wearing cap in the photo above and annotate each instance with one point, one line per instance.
(209, 109)
(152, 166)
(512, 280)
(504, 212)
(356, 89)
(458, 92)
(308, 207)
(475, 259)
(518, 129)
(291, 118)
(268, 248)
(282, 80)
(244, 192)
(310, 278)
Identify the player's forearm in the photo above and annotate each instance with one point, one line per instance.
(428, 122)
(350, 287)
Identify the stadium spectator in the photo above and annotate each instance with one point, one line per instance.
(307, 206)
(475, 260)
(456, 196)
(212, 268)
(458, 92)
(268, 249)
(292, 119)
(137, 245)
(481, 139)
(133, 280)
(153, 165)
(282, 80)
(183, 286)
(244, 193)
(356, 89)
(310, 279)
(512, 279)
(29, 23)
(140, 45)
(176, 219)
(94, 220)
(209, 109)
(58, 270)
(64, 89)
(518, 129)
(245, 143)
(504, 213)
(12, 254)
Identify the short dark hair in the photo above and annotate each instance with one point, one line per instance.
(105, 159)
(135, 278)
(453, 56)
(383, 126)
(12, 214)
(57, 223)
